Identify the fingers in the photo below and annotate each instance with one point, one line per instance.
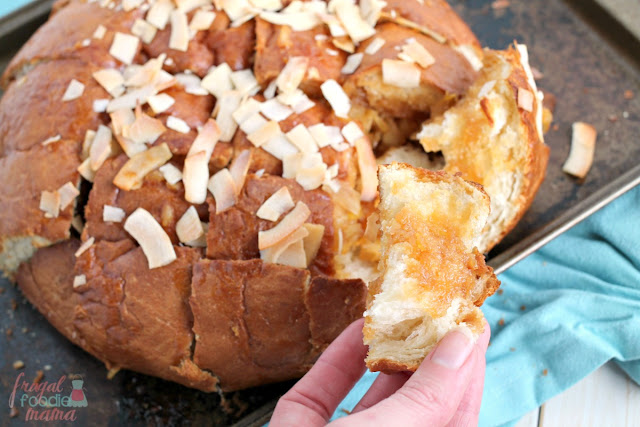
(469, 409)
(313, 399)
(383, 387)
(433, 393)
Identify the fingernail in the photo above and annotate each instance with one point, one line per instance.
(452, 350)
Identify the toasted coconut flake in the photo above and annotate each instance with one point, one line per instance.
(486, 89)
(159, 13)
(128, 5)
(50, 204)
(246, 110)
(302, 139)
(374, 46)
(151, 237)
(297, 100)
(86, 143)
(525, 99)
(400, 73)
(235, 9)
(292, 74)
(85, 170)
(418, 53)
(223, 189)
(218, 80)
(101, 147)
(145, 129)
(79, 280)
(111, 80)
(311, 177)
(352, 64)
(292, 221)
(267, 4)
(100, 31)
(335, 26)
(270, 91)
(100, 105)
(124, 47)
(279, 147)
(68, 193)
(346, 197)
(239, 169)
(291, 164)
(137, 167)
(121, 119)
(277, 204)
(471, 55)
(298, 21)
(368, 170)
(349, 14)
(275, 110)
(583, 145)
(129, 147)
(373, 227)
(313, 240)
(371, 10)
(85, 246)
(320, 134)
(144, 30)
(196, 165)
(160, 103)
(179, 39)
(191, 83)
(227, 104)
(339, 100)
(253, 124)
(388, 17)
(171, 174)
(282, 253)
(344, 44)
(74, 91)
(352, 132)
(51, 140)
(113, 214)
(178, 124)
(267, 132)
(77, 224)
(202, 20)
(187, 6)
(189, 228)
(131, 99)
(245, 82)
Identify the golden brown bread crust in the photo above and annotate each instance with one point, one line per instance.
(135, 318)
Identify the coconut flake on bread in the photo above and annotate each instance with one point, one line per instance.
(432, 277)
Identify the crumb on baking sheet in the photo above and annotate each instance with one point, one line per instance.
(9, 333)
(18, 364)
(501, 322)
(39, 376)
(14, 304)
(500, 4)
(545, 372)
(512, 349)
(13, 412)
(500, 291)
(628, 94)
(523, 307)
(613, 118)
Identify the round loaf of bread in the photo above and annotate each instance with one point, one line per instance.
(188, 183)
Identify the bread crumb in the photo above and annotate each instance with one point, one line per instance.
(1, 291)
(14, 304)
(346, 411)
(9, 333)
(512, 349)
(545, 372)
(18, 364)
(501, 322)
(39, 376)
(523, 307)
(13, 412)
(500, 291)
(613, 118)
(628, 94)
(555, 127)
(25, 330)
(47, 367)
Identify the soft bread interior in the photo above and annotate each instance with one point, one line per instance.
(431, 274)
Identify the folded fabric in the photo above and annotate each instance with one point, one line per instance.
(561, 313)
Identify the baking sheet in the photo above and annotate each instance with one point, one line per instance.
(588, 60)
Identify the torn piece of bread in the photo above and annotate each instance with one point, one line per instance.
(432, 277)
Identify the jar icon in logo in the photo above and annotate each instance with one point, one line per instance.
(78, 399)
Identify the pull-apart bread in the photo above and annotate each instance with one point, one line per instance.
(432, 277)
(188, 184)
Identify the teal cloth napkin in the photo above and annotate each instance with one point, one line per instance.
(8, 6)
(564, 311)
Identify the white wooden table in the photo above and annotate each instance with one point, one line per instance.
(606, 398)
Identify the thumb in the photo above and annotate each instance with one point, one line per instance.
(433, 393)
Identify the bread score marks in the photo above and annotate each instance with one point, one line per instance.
(151, 237)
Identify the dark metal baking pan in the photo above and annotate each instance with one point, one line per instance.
(588, 60)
